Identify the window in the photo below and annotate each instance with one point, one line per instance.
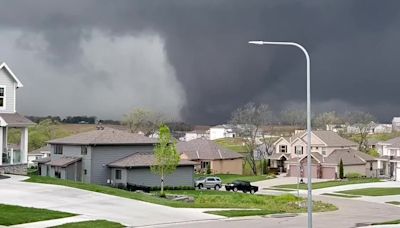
(299, 150)
(2, 96)
(204, 164)
(316, 148)
(283, 148)
(83, 150)
(58, 149)
(85, 172)
(57, 172)
(210, 179)
(118, 174)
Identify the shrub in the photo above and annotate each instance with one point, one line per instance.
(208, 168)
(341, 172)
(353, 175)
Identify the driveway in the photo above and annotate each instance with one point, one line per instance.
(93, 205)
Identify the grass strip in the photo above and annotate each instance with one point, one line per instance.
(373, 191)
(340, 195)
(91, 224)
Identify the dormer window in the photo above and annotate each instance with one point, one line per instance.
(2, 97)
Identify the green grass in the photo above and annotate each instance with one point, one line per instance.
(373, 191)
(12, 215)
(394, 202)
(241, 213)
(327, 184)
(234, 144)
(203, 199)
(388, 222)
(279, 189)
(228, 178)
(90, 224)
(340, 195)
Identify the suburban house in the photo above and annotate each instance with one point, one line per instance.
(389, 160)
(109, 156)
(222, 131)
(208, 153)
(38, 154)
(12, 159)
(327, 149)
(396, 124)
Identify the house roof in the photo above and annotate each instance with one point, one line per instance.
(14, 120)
(62, 161)
(349, 157)
(107, 136)
(142, 160)
(278, 156)
(333, 139)
(395, 142)
(203, 149)
(43, 160)
(4, 66)
(38, 151)
(317, 156)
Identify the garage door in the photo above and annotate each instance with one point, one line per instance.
(294, 170)
(328, 173)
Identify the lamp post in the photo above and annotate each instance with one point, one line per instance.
(309, 191)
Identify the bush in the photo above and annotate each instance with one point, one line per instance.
(341, 172)
(353, 175)
(208, 168)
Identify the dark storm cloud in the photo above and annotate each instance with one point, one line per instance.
(352, 45)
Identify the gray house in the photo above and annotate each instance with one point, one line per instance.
(109, 156)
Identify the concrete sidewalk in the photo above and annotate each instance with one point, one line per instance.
(55, 222)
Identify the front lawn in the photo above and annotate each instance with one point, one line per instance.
(340, 195)
(12, 215)
(202, 198)
(333, 183)
(228, 178)
(394, 202)
(91, 224)
(373, 191)
(387, 223)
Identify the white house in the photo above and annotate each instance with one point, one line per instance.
(389, 160)
(37, 154)
(12, 160)
(222, 131)
(396, 124)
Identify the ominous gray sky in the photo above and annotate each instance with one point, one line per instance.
(191, 60)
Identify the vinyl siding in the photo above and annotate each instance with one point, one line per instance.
(183, 176)
(9, 84)
(103, 155)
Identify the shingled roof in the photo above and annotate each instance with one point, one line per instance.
(106, 136)
(63, 161)
(349, 157)
(14, 120)
(203, 149)
(142, 160)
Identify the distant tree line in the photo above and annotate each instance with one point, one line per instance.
(73, 119)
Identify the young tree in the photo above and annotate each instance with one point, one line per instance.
(251, 118)
(143, 120)
(341, 171)
(166, 156)
(362, 121)
(293, 117)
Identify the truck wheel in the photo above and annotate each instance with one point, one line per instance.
(217, 187)
(252, 191)
(200, 186)
(244, 191)
(235, 189)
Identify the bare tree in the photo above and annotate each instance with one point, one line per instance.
(250, 119)
(326, 118)
(144, 121)
(362, 121)
(293, 117)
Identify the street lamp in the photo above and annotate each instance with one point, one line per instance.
(309, 191)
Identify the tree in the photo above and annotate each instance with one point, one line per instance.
(293, 117)
(362, 122)
(144, 121)
(250, 119)
(166, 156)
(208, 168)
(326, 118)
(341, 172)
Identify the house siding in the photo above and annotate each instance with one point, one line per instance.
(9, 84)
(183, 176)
(103, 155)
(234, 166)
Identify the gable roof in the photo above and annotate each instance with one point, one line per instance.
(107, 136)
(395, 142)
(4, 66)
(141, 159)
(63, 161)
(41, 149)
(333, 139)
(14, 120)
(203, 149)
(349, 157)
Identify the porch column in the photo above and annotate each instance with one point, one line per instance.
(24, 145)
(1, 145)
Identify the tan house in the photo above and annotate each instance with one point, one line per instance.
(209, 153)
